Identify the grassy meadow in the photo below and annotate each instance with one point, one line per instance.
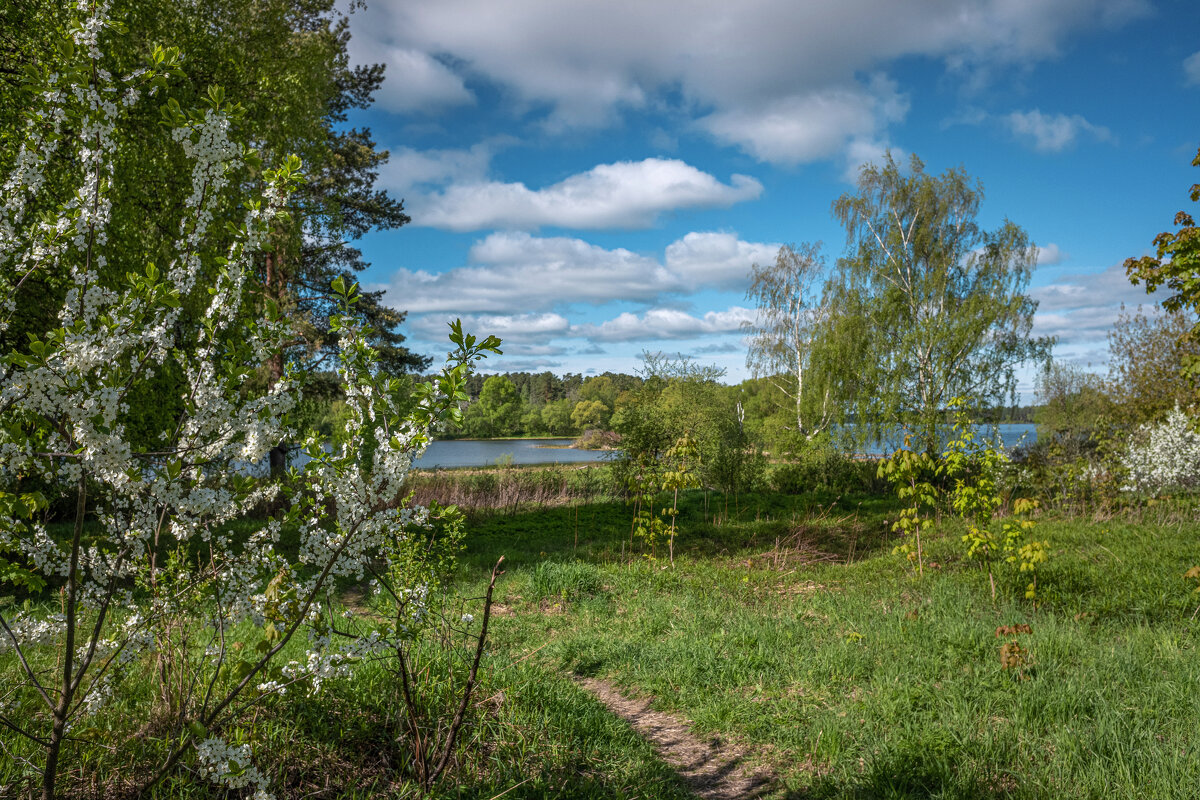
(849, 676)
(786, 628)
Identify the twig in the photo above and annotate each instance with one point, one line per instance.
(527, 655)
(448, 750)
(514, 786)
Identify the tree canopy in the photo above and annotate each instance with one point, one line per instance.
(1148, 356)
(286, 62)
(942, 301)
(1176, 265)
(785, 339)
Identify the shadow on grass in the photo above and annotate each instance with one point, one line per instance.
(911, 772)
(528, 735)
(841, 528)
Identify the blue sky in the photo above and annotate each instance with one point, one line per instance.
(594, 178)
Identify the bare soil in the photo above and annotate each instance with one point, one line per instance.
(712, 769)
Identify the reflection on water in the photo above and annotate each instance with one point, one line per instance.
(480, 453)
(485, 452)
(1013, 434)
(474, 453)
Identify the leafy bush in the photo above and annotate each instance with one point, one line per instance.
(596, 439)
(977, 467)
(1164, 457)
(1067, 474)
(913, 475)
(824, 467)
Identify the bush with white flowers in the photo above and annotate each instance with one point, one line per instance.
(160, 581)
(1164, 456)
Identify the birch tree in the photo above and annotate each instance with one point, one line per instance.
(782, 338)
(943, 300)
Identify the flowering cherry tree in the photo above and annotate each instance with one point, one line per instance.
(152, 573)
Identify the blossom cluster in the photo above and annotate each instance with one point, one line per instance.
(1164, 456)
(229, 765)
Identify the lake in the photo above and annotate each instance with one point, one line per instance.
(486, 452)
(1012, 434)
(483, 452)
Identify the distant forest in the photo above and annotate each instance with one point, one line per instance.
(545, 404)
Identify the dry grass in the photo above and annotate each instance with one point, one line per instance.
(509, 489)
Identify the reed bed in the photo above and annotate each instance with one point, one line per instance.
(508, 489)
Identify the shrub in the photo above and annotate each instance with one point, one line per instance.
(595, 439)
(1164, 457)
(824, 467)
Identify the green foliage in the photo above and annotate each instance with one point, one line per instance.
(822, 466)
(497, 411)
(1071, 460)
(942, 301)
(601, 389)
(793, 344)
(565, 581)
(683, 423)
(590, 414)
(1176, 265)
(17, 509)
(680, 472)
(976, 468)
(556, 417)
(1148, 363)
(1023, 551)
(286, 63)
(643, 476)
(911, 475)
(1074, 405)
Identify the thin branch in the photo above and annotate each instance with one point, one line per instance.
(25, 664)
(8, 723)
(448, 750)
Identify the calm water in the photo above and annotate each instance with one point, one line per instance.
(1012, 434)
(480, 453)
(473, 453)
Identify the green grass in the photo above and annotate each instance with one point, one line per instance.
(860, 680)
(788, 627)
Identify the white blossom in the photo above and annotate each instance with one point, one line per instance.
(1164, 456)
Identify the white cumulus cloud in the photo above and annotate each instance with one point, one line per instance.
(517, 272)
(781, 80)
(1080, 309)
(409, 170)
(1053, 133)
(704, 260)
(666, 323)
(1191, 69)
(626, 194)
(811, 126)
(509, 327)
(415, 80)
(1050, 255)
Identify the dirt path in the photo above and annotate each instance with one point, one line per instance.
(713, 769)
